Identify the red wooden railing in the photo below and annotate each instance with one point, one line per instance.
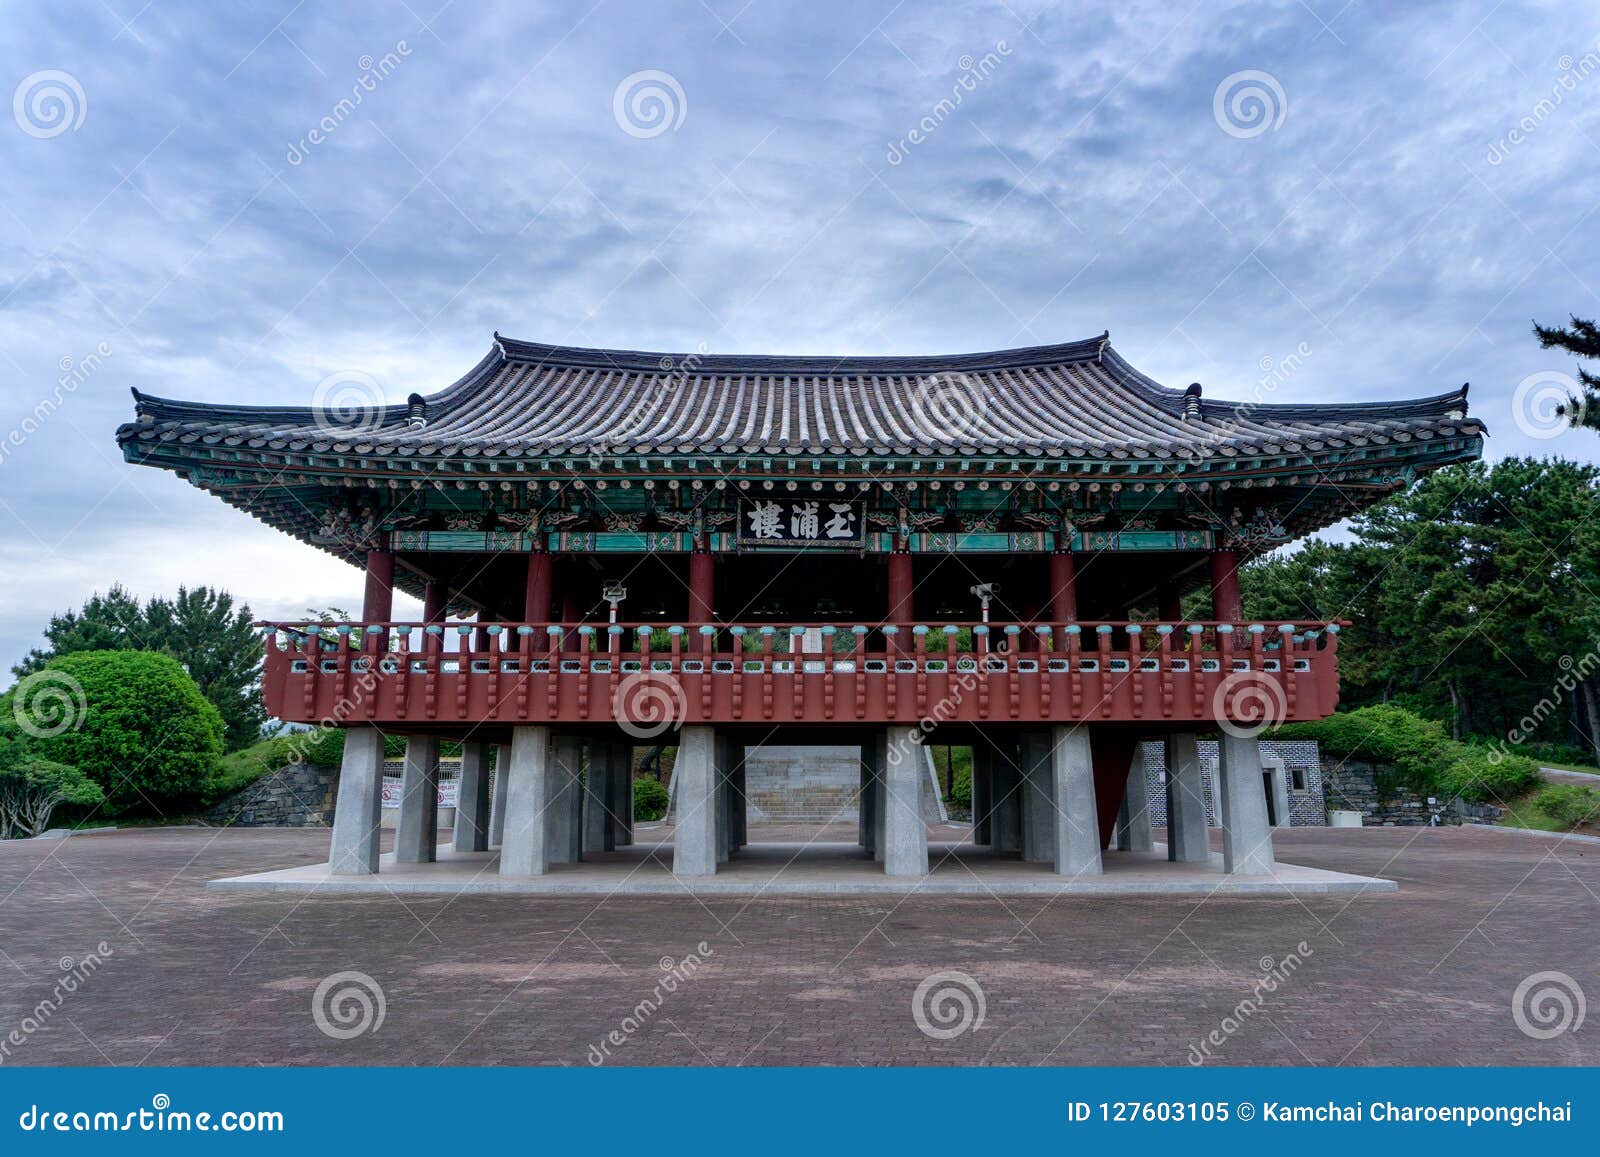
(651, 676)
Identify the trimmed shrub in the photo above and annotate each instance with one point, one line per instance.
(1424, 758)
(1569, 804)
(1485, 774)
(141, 728)
(1415, 747)
(649, 799)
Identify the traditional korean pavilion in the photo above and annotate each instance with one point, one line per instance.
(616, 547)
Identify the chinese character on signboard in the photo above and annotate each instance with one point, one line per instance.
(786, 522)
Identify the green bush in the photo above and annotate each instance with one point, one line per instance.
(140, 728)
(649, 799)
(1424, 758)
(1417, 748)
(1485, 774)
(961, 785)
(1568, 803)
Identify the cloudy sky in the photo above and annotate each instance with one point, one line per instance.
(232, 202)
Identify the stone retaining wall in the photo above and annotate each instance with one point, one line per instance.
(300, 795)
(1353, 785)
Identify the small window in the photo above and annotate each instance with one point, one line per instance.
(994, 664)
(753, 666)
(298, 666)
(1241, 664)
(1028, 666)
(783, 666)
(1059, 665)
(814, 666)
(694, 666)
(844, 666)
(724, 667)
(937, 666)
(600, 666)
(877, 666)
(1210, 664)
(542, 666)
(571, 666)
(480, 666)
(1089, 665)
(631, 666)
(1118, 666)
(905, 667)
(1297, 778)
(508, 667)
(1149, 664)
(1178, 664)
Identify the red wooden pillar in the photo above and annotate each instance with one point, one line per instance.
(536, 596)
(900, 586)
(1063, 587)
(434, 600)
(536, 599)
(377, 603)
(702, 591)
(1171, 600)
(1226, 606)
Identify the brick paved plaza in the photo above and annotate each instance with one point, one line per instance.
(1422, 977)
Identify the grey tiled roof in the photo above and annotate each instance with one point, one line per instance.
(1077, 400)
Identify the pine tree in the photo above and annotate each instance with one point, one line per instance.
(1581, 338)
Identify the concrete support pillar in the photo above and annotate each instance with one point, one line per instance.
(694, 844)
(741, 804)
(564, 815)
(358, 813)
(472, 801)
(523, 850)
(905, 837)
(1038, 799)
(1077, 821)
(1247, 837)
(377, 601)
(724, 758)
(1005, 812)
(622, 800)
(416, 836)
(868, 837)
(497, 811)
(1187, 842)
(1135, 831)
(880, 796)
(597, 796)
(1225, 602)
(982, 794)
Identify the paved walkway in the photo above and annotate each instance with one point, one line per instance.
(1425, 975)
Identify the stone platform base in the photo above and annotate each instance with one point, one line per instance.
(800, 869)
